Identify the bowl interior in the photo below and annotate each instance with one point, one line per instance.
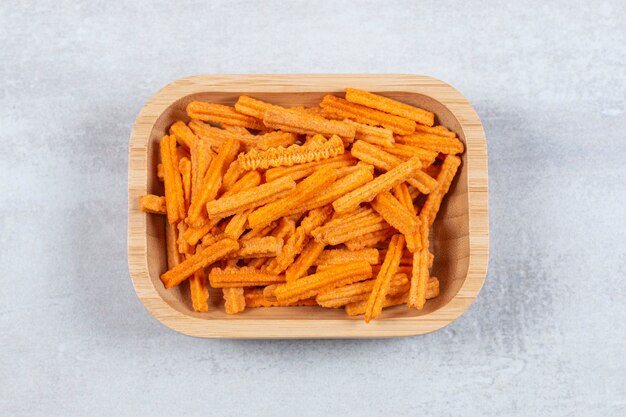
(449, 237)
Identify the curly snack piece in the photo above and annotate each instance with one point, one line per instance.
(218, 113)
(375, 101)
(305, 123)
(381, 286)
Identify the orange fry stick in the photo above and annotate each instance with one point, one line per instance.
(171, 237)
(255, 298)
(248, 181)
(305, 123)
(212, 182)
(284, 229)
(183, 247)
(274, 140)
(446, 175)
(234, 300)
(183, 134)
(309, 286)
(258, 232)
(381, 286)
(419, 275)
(151, 203)
(369, 239)
(303, 191)
(386, 161)
(397, 215)
(242, 277)
(358, 308)
(299, 171)
(436, 143)
(342, 256)
(199, 291)
(219, 113)
(253, 107)
(388, 105)
(405, 152)
(307, 258)
(201, 156)
(384, 182)
(184, 167)
(435, 130)
(402, 193)
(294, 154)
(360, 291)
(334, 234)
(366, 115)
(249, 199)
(174, 199)
(239, 130)
(375, 135)
(237, 225)
(207, 256)
(260, 247)
(193, 234)
(232, 175)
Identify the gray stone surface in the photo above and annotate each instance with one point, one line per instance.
(547, 335)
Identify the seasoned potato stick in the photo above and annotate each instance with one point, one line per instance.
(253, 107)
(183, 247)
(405, 152)
(232, 175)
(171, 245)
(199, 291)
(307, 258)
(436, 143)
(248, 181)
(284, 229)
(260, 247)
(242, 277)
(249, 199)
(413, 241)
(273, 140)
(193, 234)
(237, 225)
(389, 269)
(376, 135)
(239, 130)
(388, 105)
(184, 167)
(151, 203)
(299, 171)
(207, 256)
(259, 232)
(215, 137)
(366, 115)
(294, 154)
(334, 234)
(201, 156)
(183, 134)
(173, 184)
(369, 239)
(309, 286)
(255, 298)
(219, 113)
(305, 123)
(308, 187)
(446, 175)
(360, 291)
(358, 308)
(342, 256)
(234, 300)
(419, 275)
(435, 130)
(397, 215)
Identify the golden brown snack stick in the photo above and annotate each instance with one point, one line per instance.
(284, 229)
(295, 244)
(435, 130)
(183, 247)
(252, 107)
(294, 154)
(274, 140)
(305, 123)
(305, 260)
(212, 182)
(369, 239)
(219, 113)
(401, 191)
(237, 225)
(358, 308)
(299, 171)
(184, 167)
(405, 152)
(242, 276)
(366, 115)
(419, 275)
(376, 135)
(183, 134)
(160, 171)
(381, 159)
(248, 181)
(171, 238)
(402, 269)
(308, 187)
(307, 287)
(151, 203)
(199, 291)
(249, 199)
(334, 235)
(255, 298)
(193, 234)
(388, 270)
(215, 137)
(234, 300)
(257, 263)
(436, 143)
(238, 130)
(232, 175)
(342, 256)
(397, 215)
(173, 184)
(446, 175)
(259, 232)
(384, 182)
(207, 256)
(360, 291)
(260, 247)
(201, 156)
(388, 105)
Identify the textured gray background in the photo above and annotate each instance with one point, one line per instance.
(546, 336)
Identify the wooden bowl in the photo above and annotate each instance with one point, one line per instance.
(460, 237)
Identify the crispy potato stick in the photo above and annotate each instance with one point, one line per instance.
(257, 263)
(193, 234)
(366, 115)
(174, 199)
(248, 181)
(307, 258)
(218, 113)
(384, 182)
(199, 291)
(299, 171)
(446, 175)
(295, 244)
(388, 270)
(342, 256)
(242, 277)
(212, 182)
(284, 229)
(260, 247)
(419, 275)
(214, 136)
(255, 298)
(397, 215)
(249, 199)
(402, 269)
(369, 239)
(183, 134)
(201, 156)
(239, 130)
(234, 300)
(294, 154)
(388, 105)
(160, 171)
(183, 247)
(308, 187)
(413, 241)
(253, 107)
(435, 130)
(436, 143)
(376, 135)
(171, 238)
(213, 236)
(405, 152)
(207, 256)
(151, 203)
(232, 175)
(358, 308)
(314, 140)
(305, 123)
(336, 234)
(380, 159)
(274, 140)
(237, 225)
(309, 286)
(259, 232)
(184, 167)
(360, 291)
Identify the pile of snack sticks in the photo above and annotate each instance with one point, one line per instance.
(326, 206)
